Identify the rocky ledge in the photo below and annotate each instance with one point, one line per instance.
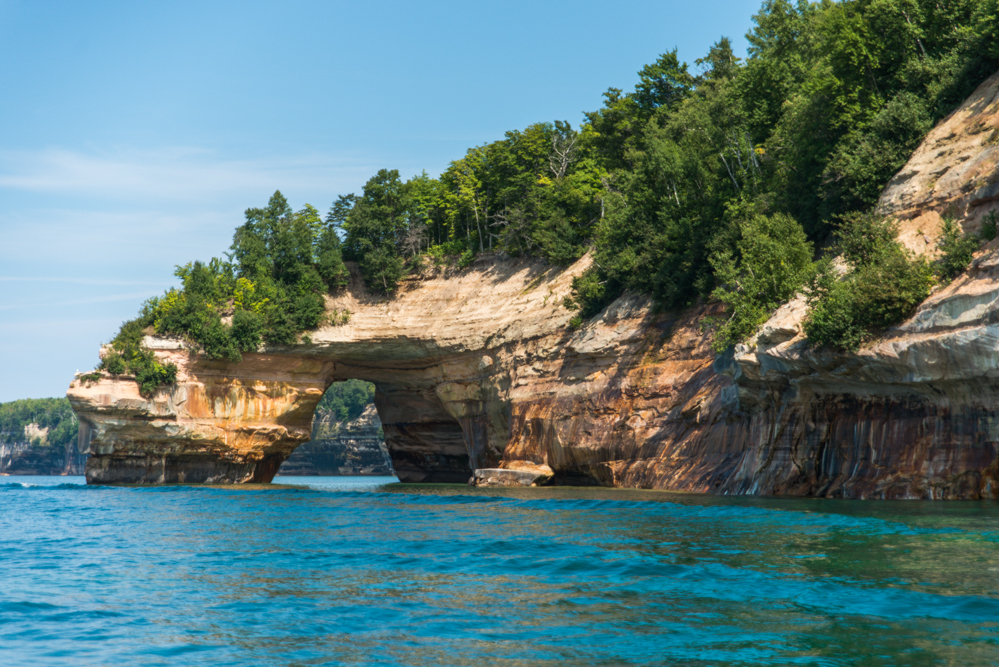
(480, 371)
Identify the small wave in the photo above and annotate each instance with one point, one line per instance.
(29, 485)
(27, 607)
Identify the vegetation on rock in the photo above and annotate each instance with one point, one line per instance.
(347, 400)
(956, 249)
(884, 282)
(127, 356)
(715, 183)
(883, 285)
(990, 227)
(54, 414)
(775, 261)
(270, 288)
(830, 103)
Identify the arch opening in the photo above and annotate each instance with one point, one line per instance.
(238, 423)
(396, 427)
(347, 436)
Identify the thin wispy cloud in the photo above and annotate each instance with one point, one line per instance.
(75, 281)
(53, 326)
(82, 302)
(186, 174)
(133, 246)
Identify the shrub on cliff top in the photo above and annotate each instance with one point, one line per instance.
(127, 356)
(280, 265)
(247, 329)
(956, 249)
(150, 373)
(882, 287)
(774, 260)
(272, 285)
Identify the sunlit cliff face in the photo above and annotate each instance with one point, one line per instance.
(479, 370)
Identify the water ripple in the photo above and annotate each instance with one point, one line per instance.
(354, 572)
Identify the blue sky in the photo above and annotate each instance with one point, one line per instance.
(135, 134)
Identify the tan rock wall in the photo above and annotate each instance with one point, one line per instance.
(479, 369)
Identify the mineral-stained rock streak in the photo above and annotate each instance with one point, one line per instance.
(480, 371)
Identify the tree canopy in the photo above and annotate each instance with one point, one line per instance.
(54, 414)
(830, 102)
(681, 189)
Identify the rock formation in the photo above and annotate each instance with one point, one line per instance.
(914, 413)
(32, 454)
(352, 448)
(479, 370)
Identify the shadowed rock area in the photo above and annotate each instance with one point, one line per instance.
(349, 448)
(479, 370)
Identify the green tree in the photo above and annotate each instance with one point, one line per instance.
(374, 229)
(664, 83)
(956, 249)
(720, 62)
(347, 400)
(883, 286)
(774, 261)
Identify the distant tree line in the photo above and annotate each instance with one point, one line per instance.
(346, 400)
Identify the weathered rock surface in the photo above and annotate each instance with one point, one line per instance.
(915, 413)
(522, 476)
(351, 448)
(480, 371)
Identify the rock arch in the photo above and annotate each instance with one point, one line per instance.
(231, 423)
(480, 372)
(444, 403)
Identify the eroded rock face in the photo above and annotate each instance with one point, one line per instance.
(915, 413)
(426, 350)
(30, 452)
(480, 370)
(220, 423)
(523, 475)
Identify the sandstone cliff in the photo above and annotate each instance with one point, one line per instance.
(480, 370)
(28, 457)
(914, 413)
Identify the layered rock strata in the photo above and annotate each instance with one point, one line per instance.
(479, 370)
(518, 473)
(914, 414)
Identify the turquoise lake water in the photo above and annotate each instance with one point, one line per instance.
(350, 571)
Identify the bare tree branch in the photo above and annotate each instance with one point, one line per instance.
(565, 142)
